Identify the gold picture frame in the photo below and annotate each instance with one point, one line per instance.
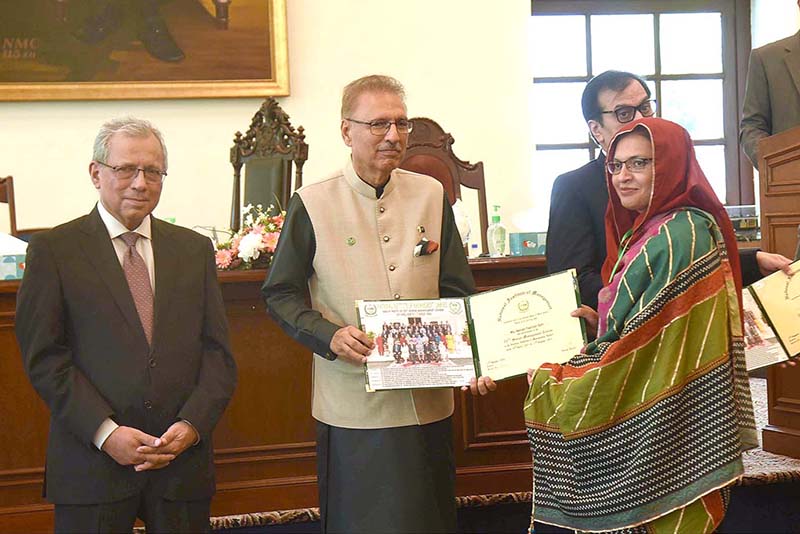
(271, 72)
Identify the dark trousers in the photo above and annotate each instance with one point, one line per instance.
(387, 480)
(158, 514)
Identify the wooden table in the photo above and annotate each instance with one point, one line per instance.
(264, 444)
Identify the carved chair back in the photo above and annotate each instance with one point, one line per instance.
(430, 151)
(267, 151)
(7, 197)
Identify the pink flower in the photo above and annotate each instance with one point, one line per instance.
(270, 240)
(223, 258)
(235, 245)
(253, 245)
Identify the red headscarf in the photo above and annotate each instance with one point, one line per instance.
(678, 182)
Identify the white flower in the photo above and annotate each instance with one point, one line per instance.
(249, 247)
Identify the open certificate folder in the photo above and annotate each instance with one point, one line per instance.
(446, 342)
(772, 319)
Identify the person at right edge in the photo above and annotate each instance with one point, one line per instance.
(772, 95)
(644, 431)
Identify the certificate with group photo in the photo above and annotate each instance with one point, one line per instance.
(772, 319)
(445, 342)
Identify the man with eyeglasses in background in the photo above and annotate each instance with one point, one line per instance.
(371, 231)
(576, 230)
(122, 330)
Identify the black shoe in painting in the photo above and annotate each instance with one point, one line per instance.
(157, 40)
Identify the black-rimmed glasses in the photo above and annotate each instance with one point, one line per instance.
(627, 113)
(634, 164)
(381, 127)
(129, 172)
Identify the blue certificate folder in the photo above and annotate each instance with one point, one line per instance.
(446, 342)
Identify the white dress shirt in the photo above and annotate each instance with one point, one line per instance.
(145, 249)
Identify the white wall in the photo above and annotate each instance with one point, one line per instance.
(771, 20)
(463, 62)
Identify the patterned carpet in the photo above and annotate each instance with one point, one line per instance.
(760, 468)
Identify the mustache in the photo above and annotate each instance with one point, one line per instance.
(388, 145)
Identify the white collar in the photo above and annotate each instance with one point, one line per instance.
(116, 228)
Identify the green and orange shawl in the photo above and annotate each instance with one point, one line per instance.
(641, 430)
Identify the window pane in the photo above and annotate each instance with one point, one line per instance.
(547, 166)
(694, 104)
(612, 38)
(712, 161)
(691, 43)
(557, 114)
(564, 34)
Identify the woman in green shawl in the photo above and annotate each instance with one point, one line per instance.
(644, 430)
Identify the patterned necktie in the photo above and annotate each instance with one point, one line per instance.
(139, 282)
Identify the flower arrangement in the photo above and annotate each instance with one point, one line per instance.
(252, 247)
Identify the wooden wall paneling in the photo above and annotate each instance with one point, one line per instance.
(779, 176)
(265, 442)
(25, 420)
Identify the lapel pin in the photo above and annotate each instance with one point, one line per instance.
(350, 241)
(421, 229)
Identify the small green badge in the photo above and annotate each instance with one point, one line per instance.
(350, 241)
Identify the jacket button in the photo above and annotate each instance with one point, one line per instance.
(386, 238)
(396, 296)
(392, 267)
(148, 404)
(152, 362)
(381, 209)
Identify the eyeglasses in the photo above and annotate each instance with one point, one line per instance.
(627, 113)
(634, 164)
(381, 127)
(129, 172)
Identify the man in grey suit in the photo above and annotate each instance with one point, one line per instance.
(772, 95)
(122, 330)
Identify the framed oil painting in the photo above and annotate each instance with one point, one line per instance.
(140, 49)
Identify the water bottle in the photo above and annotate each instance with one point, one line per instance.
(496, 235)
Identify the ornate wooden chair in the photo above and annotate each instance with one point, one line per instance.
(267, 152)
(7, 197)
(430, 151)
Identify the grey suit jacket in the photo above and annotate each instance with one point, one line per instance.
(85, 352)
(772, 96)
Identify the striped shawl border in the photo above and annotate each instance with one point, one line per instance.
(677, 388)
(714, 481)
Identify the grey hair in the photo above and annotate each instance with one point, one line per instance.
(129, 126)
(375, 83)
